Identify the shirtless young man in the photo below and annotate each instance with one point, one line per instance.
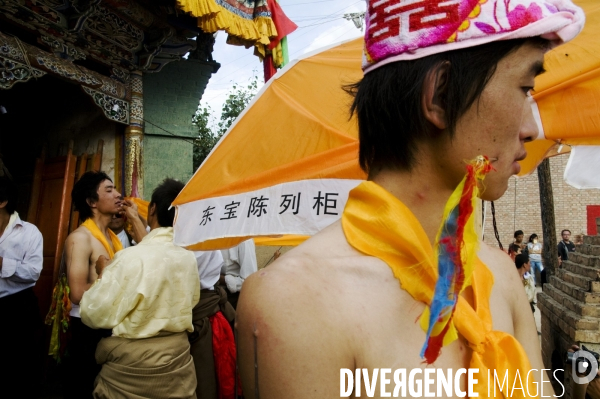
(326, 306)
(95, 197)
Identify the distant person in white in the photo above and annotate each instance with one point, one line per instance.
(209, 268)
(239, 262)
(21, 259)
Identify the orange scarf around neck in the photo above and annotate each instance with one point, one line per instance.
(95, 230)
(377, 224)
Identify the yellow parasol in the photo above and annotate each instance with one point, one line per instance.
(568, 94)
(286, 165)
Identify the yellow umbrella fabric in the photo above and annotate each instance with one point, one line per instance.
(568, 94)
(298, 131)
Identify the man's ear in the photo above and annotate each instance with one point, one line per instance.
(91, 203)
(152, 209)
(433, 100)
(3, 204)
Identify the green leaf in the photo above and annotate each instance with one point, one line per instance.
(210, 131)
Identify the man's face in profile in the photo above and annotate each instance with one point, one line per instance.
(500, 122)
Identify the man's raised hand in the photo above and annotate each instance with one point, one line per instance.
(101, 263)
(131, 209)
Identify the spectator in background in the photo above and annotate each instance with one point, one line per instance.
(535, 256)
(565, 246)
(578, 240)
(21, 258)
(524, 268)
(117, 225)
(514, 250)
(238, 263)
(519, 235)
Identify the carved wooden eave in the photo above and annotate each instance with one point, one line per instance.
(117, 33)
(114, 38)
(19, 62)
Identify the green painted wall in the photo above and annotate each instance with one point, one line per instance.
(171, 98)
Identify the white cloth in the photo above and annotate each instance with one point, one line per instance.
(209, 268)
(239, 262)
(21, 250)
(529, 284)
(146, 289)
(535, 251)
(583, 165)
(74, 311)
(124, 239)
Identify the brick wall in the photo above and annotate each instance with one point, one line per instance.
(519, 208)
(170, 100)
(570, 309)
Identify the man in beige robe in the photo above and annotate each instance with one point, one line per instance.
(146, 295)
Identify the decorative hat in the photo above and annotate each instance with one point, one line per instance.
(399, 30)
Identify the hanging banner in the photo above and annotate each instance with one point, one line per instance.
(302, 207)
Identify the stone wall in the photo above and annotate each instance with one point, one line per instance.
(519, 208)
(570, 308)
(171, 99)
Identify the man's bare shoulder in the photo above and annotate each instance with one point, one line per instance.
(508, 296)
(79, 236)
(325, 261)
(501, 265)
(323, 279)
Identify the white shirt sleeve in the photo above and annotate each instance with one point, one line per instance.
(209, 268)
(246, 259)
(23, 262)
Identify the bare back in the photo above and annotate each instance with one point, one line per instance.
(82, 251)
(324, 306)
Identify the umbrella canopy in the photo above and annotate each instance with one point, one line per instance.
(568, 94)
(286, 165)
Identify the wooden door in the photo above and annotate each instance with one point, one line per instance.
(50, 210)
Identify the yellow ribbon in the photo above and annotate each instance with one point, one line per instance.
(377, 224)
(116, 243)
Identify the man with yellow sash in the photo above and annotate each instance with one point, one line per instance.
(402, 282)
(146, 295)
(95, 197)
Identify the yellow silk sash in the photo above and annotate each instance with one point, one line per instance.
(377, 224)
(116, 243)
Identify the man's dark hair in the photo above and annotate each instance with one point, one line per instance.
(8, 192)
(563, 232)
(86, 189)
(387, 101)
(533, 237)
(519, 233)
(163, 196)
(513, 248)
(521, 259)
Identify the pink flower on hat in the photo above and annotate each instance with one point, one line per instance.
(522, 16)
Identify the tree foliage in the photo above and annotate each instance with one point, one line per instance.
(209, 129)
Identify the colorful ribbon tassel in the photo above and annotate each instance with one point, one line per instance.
(456, 248)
